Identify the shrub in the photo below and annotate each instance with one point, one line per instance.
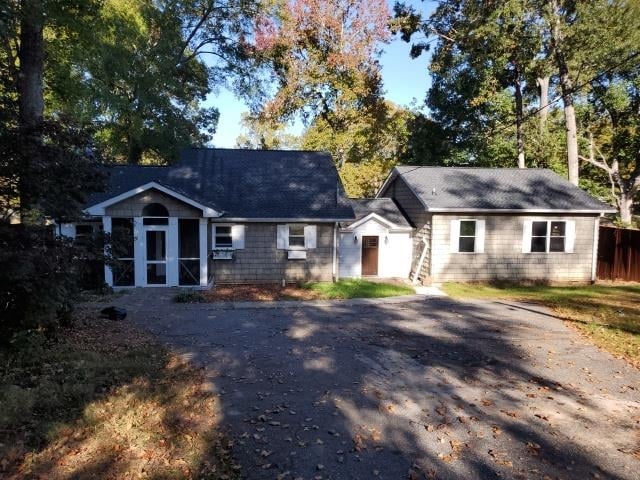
(189, 296)
(40, 277)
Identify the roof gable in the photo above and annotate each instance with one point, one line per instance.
(381, 209)
(244, 184)
(495, 189)
(99, 208)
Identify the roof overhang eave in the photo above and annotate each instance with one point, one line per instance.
(519, 210)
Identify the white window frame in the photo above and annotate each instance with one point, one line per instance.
(302, 235)
(569, 236)
(474, 236)
(310, 232)
(236, 232)
(215, 236)
(478, 244)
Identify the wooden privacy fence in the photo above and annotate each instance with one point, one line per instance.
(619, 254)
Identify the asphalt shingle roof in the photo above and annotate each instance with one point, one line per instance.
(250, 184)
(496, 189)
(385, 207)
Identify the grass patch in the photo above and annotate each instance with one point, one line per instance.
(105, 401)
(357, 289)
(308, 291)
(608, 314)
(189, 296)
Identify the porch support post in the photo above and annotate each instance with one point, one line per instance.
(138, 252)
(108, 273)
(173, 269)
(204, 250)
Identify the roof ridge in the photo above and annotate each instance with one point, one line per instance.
(371, 198)
(417, 167)
(262, 150)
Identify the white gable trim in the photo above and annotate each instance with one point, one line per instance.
(99, 208)
(380, 219)
(392, 175)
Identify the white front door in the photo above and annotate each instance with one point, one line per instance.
(155, 237)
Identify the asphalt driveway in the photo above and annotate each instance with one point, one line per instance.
(430, 388)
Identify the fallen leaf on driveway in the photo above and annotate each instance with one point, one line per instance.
(534, 448)
(499, 458)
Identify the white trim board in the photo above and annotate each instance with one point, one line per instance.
(374, 216)
(518, 210)
(99, 208)
(278, 220)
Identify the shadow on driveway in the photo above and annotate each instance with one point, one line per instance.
(425, 389)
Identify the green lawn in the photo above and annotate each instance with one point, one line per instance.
(357, 289)
(608, 314)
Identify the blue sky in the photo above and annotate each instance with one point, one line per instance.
(405, 81)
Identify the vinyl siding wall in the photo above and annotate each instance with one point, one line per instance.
(261, 262)
(503, 258)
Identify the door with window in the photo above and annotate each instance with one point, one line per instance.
(156, 254)
(369, 256)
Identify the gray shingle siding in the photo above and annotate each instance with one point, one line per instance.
(406, 200)
(132, 206)
(261, 262)
(503, 258)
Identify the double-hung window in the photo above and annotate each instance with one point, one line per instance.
(296, 236)
(544, 236)
(467, 236)
(223, 237)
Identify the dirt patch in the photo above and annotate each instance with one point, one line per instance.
(259, 293)
(104, 400)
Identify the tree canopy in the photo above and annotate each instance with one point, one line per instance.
(520, 83)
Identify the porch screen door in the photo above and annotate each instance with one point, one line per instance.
(156, 240)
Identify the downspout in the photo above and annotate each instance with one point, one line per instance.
(334, 270)
(594, 252)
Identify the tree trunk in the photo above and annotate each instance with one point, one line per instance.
(543, 108)
(30, 94)
(566, 86)
(134, 153)
(31, 53)
(519, 119)
(625, 205)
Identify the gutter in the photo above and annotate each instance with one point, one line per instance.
(514, 210)
(280, 220)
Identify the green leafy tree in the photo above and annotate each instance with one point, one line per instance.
(485, 54)
(265, 136)
(366, 149)
(47, 166)
(140, 75)
(582, 39)
(611, 142)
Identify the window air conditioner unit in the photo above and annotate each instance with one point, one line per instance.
(222, 255)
